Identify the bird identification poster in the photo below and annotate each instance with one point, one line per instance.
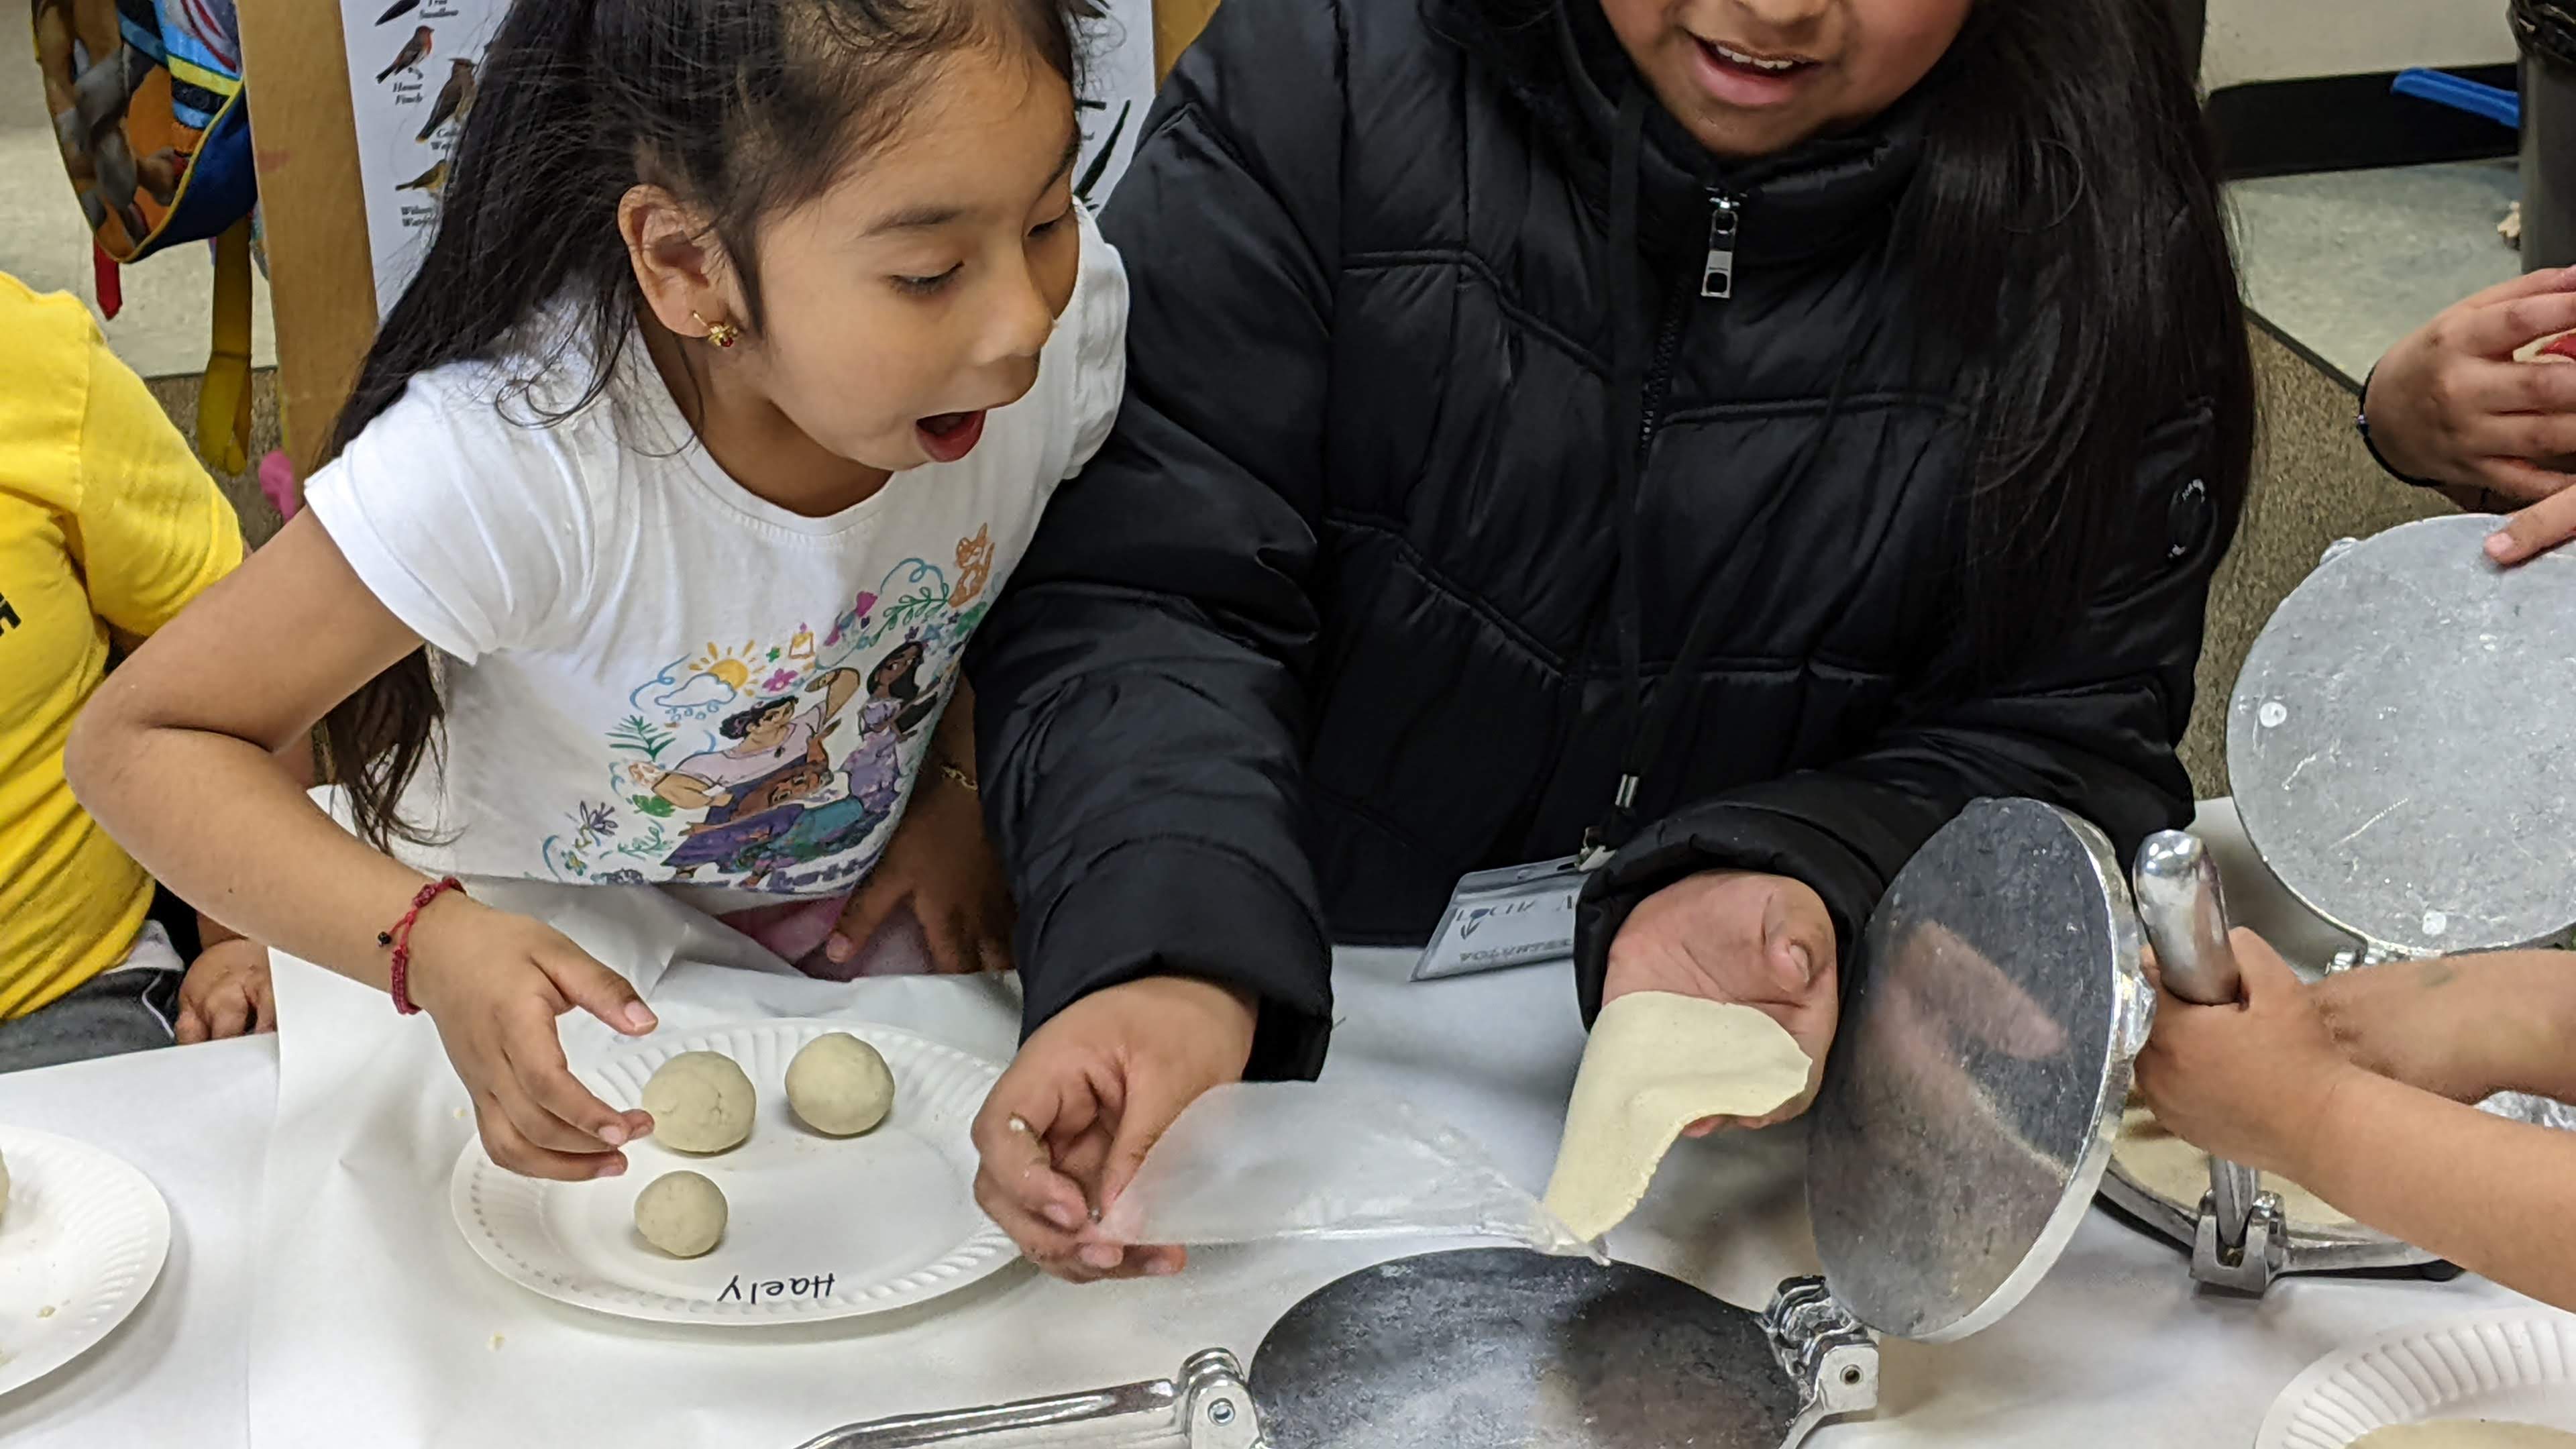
(412, 71)
(414, 65)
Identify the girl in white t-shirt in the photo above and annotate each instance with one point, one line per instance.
(752, 340)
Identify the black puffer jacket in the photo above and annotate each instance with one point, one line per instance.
(1331, 621)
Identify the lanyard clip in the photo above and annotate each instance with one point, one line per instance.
(1601, 842)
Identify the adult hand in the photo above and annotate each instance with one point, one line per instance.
(226, 994)
(1763, 941)
(2248, 1082)
(2452, 405)
(494, 983)
(939, 862)
(1089, 1095)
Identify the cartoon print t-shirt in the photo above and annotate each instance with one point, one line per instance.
(653, 676)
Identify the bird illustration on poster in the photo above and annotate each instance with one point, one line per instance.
(412, 120)
(414, 51)
(455, 99)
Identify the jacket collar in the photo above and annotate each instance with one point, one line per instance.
(1560, 61)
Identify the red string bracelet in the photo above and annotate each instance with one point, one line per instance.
(399, 938)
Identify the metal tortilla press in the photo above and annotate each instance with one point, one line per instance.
(1967, 1114)
(2399, 750)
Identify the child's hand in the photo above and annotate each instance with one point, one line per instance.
(226, 994)
(940, 861)
(1089, 1095)
(494, 983)
(2453, 406)
(2396, 1020)
(2251, 1082)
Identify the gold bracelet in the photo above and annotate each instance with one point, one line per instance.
(950, 771)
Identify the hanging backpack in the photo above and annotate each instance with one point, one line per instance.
(146, 97)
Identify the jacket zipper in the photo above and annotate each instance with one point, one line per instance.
(1725, 224)
(1717, 283)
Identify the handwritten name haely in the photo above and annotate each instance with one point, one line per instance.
(770, 1290)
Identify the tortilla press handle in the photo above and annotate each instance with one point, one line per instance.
(2243, 1241)
(2185, 913)
(1207, 1406)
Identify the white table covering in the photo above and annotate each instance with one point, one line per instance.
(374, 1324)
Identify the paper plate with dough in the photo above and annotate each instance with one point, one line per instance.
(2514, 1368)
(82, 1239)
(817, 1227)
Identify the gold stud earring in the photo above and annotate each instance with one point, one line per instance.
(722, 334)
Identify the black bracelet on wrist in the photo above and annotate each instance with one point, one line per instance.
(2361, 425)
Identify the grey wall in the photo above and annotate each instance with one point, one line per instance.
(2257, 40)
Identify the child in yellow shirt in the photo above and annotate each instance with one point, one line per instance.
(108, 527)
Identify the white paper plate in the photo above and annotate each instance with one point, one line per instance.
(817, 1227)
(82, 1241)
(2515, 1364)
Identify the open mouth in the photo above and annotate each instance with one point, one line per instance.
(1744, 77)
(948, 437)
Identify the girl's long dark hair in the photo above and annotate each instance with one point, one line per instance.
(741, 108)
(2066, 148)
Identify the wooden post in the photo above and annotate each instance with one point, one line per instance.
(1176, 24)
(313, 216)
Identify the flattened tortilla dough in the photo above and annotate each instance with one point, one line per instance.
(1657, 1063)
(2171, 1168)
(2465, 1434)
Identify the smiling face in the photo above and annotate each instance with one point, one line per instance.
(1751, 78)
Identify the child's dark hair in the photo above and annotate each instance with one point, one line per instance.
(906, 685)
(742, 108)
(2066, 149)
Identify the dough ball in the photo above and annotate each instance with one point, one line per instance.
(701, 1102)
(839, 1086)
(681, 1213)
(2465, 1434)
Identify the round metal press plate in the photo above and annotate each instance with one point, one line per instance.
(2398, 742)
(1504, 1349)
(1974, 1090)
